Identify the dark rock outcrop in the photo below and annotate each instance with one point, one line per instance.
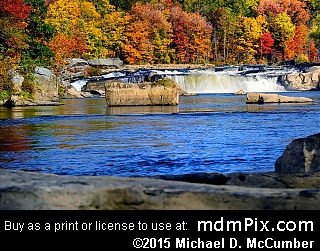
(300, 156)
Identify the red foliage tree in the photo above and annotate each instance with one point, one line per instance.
(13, 17)
(266, 44)
(14, 9)
(296, 9)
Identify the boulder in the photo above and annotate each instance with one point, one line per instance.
(71, 92)
(240, 92)
(17, 81)
(162, 92)
(300, 156)
(47, 85)
(105, 62)
(262, 98)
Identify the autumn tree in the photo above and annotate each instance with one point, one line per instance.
(112, 25)
(191, 36)
(248, 40)
(13, 21)
(313, 52)
(148, 35)
(224, 28)
(136, 49)
(266, 45)
(88, 25)
(64, 16)
(296, 47)
(295, 9)
(282, 30)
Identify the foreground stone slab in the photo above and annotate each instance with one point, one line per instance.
(161, 92)
(21, 190)
(262, 98)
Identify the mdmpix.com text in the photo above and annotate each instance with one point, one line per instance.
(249, 224)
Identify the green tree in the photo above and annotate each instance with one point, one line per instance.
(38, 34)
(224, 33)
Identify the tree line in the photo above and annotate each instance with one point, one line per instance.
(47, 32)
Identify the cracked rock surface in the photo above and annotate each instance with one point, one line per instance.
(21, 190)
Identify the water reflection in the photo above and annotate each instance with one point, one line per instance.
(15, 138)
(187, 104)
(142, 109)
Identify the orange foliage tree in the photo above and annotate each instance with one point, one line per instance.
(66, 47)
(191, 36)
(148, 35)
(297, 46)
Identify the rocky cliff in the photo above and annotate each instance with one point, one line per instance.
(304, 81)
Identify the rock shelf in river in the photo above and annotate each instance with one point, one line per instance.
(161, 92)
(262, 98)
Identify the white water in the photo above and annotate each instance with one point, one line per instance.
(226, 82)
(79, 84)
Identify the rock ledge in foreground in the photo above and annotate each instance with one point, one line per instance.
(21, 190)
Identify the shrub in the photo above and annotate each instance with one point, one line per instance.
(167, 82)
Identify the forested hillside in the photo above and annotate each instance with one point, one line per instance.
(39, 32)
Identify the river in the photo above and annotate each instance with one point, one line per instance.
(212, 131)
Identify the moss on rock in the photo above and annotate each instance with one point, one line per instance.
(167, 82)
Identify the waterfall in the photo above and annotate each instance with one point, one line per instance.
(79, 84)
(220, 80)
(226, 82)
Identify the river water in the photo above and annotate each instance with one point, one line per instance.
(207, 132)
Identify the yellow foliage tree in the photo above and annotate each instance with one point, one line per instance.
(63, 15)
